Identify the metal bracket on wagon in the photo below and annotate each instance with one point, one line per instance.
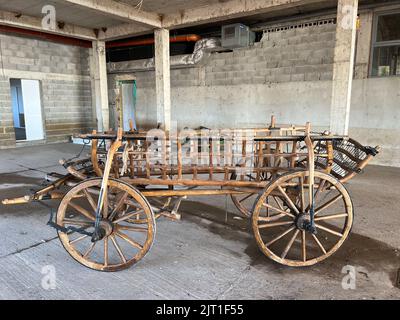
(69, 229)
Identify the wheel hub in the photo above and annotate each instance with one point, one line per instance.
(105, 229)
(303, 223)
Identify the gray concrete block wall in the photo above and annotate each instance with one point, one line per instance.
(67, 107)
(64, 73)
(25, 54)
(7, 134)
(298, 58)
(304, 54)
(182, 77)
(294, 55)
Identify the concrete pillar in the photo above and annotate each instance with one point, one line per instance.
(163, 78)
(99, 85)
(343, 66)
(363, 45)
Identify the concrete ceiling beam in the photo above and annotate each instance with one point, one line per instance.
(120, 11)
(33, 23)
(125, 30)
(228, 10)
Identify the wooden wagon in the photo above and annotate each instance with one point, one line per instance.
(286, 180)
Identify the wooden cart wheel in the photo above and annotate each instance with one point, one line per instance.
(124, 242)
(244, 202)
(282, 208)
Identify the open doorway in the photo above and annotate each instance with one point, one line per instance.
(129, 93)
(27, 109)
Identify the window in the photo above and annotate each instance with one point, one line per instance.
(386, 45)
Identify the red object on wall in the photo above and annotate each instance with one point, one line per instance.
(46, 36)
(148, 41)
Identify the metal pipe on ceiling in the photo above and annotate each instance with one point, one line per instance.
(149, 41)
(46, 36)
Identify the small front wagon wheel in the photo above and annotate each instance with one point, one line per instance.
(283, 209)
(123, 242)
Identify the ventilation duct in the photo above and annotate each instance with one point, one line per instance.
(202, 50)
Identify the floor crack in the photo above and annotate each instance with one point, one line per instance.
(29, 247)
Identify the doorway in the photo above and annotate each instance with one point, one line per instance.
(129, 93)
(27, 109)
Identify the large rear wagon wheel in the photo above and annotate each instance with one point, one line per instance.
(244, 202)
(282, 208)
(123, 241)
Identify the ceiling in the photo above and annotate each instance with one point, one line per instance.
(67, 13)
(92, 19)
(170, 6)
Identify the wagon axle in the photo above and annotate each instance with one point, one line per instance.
(304, 223)
(104, 230)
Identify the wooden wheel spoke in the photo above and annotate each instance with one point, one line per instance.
(129, 228)
(303, 246)
(132, 203)
(132, 242)
(289, 245)
(118, 248)
(246, 197)
(119, 204)
(90, 250)
(278, 203)
(275, 224)
(279, 210)
(271, 218)
(78, 222)
(332, 216)
(82, 211)
(128, 216)
(329, 230)
(319, 243)
(317, 192)
(328, 204)
(78, 239)
(319, 189)
(106, 251)
(90, 199)
(288, 200)
(279, 237)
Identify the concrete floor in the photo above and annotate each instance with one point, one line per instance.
(200, 257)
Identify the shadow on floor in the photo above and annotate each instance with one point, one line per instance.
(358, 250)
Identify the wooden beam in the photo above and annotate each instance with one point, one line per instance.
(34, 23)
(119, 11)
(228, 10)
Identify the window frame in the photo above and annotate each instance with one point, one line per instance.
(379, 44)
